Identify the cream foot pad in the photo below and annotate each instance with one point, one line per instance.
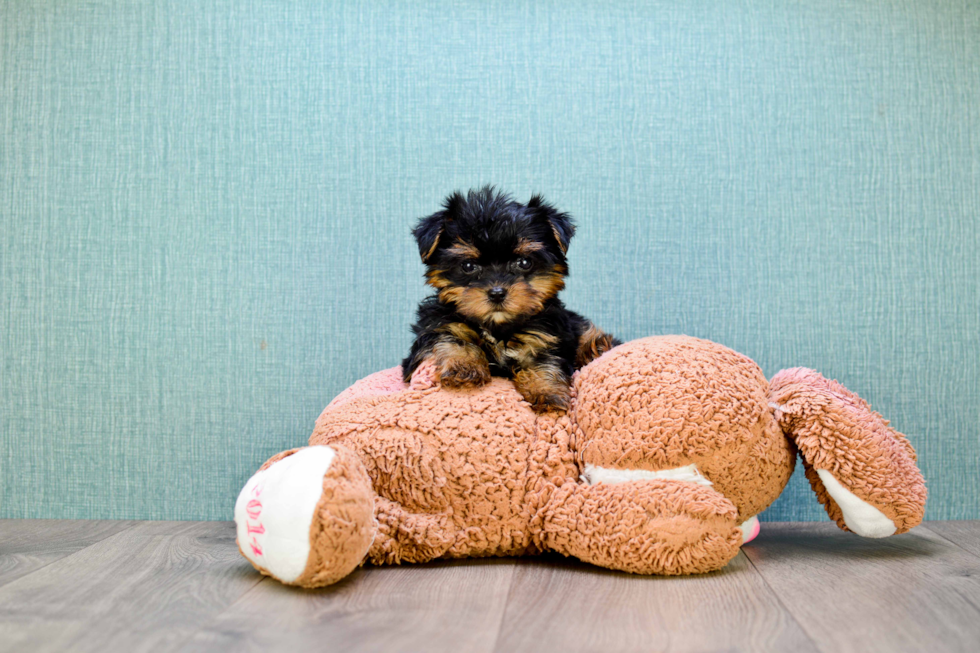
(275, 509)
(859, 515)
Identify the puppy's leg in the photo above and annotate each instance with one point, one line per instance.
(592, 344)
(543, 383)
(461, 365)
(459, 360)
(455, 350)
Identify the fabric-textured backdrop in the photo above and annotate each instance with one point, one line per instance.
(205, 210)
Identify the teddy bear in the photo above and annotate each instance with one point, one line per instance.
(671, 447)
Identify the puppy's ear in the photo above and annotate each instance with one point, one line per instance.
(427, 234)
(561, 223)
(430, 229)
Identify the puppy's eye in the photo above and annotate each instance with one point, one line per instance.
(524, 263)
(469, 267)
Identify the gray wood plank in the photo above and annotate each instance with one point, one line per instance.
(163, 586)
(966, 534)
(439, 606)
(148, 588)
(27, 545)
(563, 605)
(911, 592)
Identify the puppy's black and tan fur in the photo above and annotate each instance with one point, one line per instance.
(498, 266)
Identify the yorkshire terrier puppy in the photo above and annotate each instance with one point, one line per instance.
(498, 266)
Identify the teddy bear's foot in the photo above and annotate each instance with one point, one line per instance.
(858, 515)
(862, 470)
(307, 516)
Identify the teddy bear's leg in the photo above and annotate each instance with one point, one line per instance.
(862, 470)
(643, 526)
(307, 516)
(404, 536)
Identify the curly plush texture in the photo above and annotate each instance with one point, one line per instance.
(456, 470)
(471, 473)
(343, 525)
(673, 401)
(652, 527)
(837, 431)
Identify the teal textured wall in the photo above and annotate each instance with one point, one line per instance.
(205, 207)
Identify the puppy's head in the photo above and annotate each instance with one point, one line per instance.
(495, 259)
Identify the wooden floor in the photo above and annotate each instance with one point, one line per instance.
(182, 586)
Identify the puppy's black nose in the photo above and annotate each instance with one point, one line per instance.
(496, 294)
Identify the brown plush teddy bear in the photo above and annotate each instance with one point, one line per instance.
(671, 447)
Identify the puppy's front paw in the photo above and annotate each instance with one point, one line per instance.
(544, 387)
(461, 373)
(550, 401)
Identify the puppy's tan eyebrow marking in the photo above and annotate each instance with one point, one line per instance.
(436, 279)
(525, 247)
(462, 248)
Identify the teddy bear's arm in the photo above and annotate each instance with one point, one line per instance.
(644, 527)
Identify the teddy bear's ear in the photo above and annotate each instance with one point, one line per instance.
(430, 229)
(561, 224)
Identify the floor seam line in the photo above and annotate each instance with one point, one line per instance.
(953, 542)
(779, 600)
(503, 613)
(73, 553)
(218, 615)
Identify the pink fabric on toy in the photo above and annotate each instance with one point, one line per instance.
(385, 382)
(424, 376)
(753, 532)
